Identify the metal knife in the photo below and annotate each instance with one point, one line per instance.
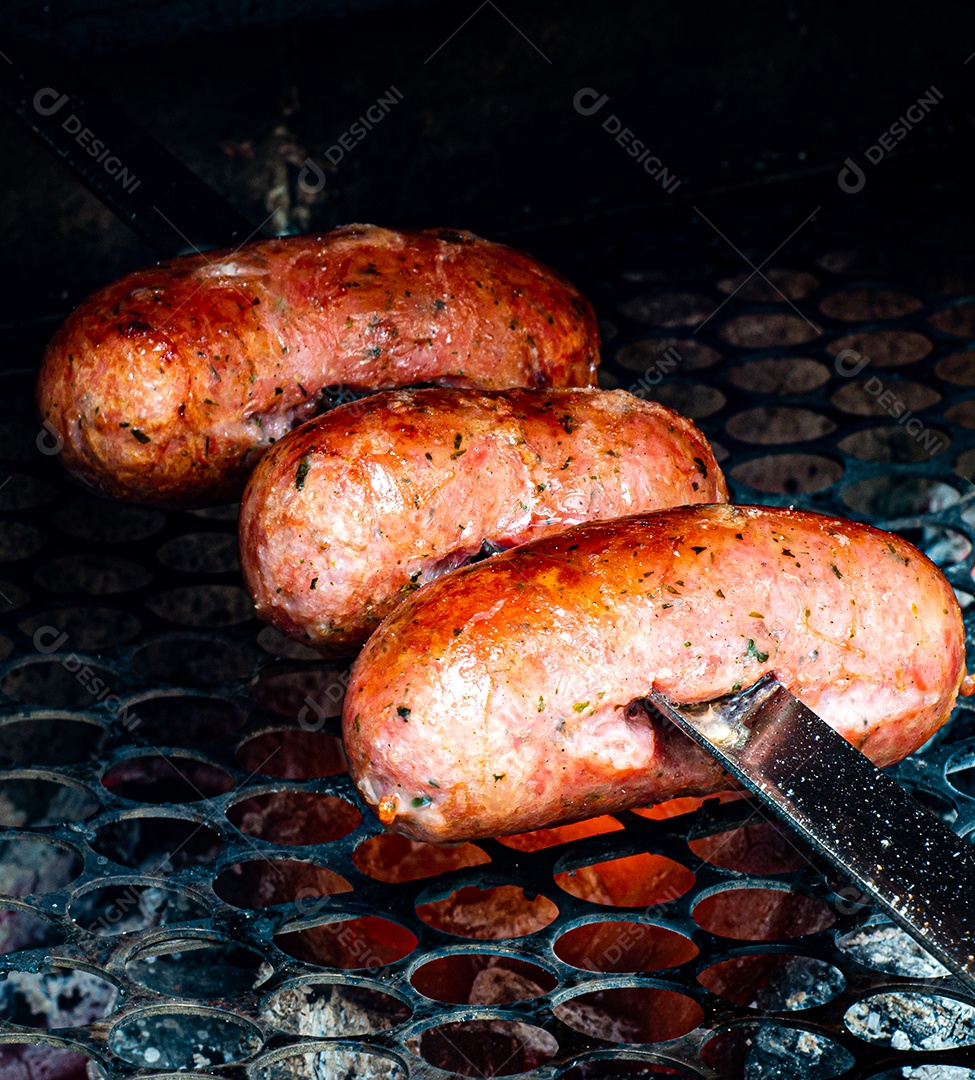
(162, 200)
(861, 821)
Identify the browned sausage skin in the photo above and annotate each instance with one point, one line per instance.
(167, 385)
(359, 507)
(506, 696)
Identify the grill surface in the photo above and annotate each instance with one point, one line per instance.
(159, 909)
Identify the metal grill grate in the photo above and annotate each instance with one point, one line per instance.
(163, 756)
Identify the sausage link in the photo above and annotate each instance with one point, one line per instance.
(360, 507)
(168, 385)
(507, 696)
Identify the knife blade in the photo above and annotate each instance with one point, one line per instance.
(137, 178)
(913, 866)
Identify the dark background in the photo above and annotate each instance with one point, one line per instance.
(732, 98)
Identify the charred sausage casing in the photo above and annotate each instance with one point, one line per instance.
(507, 696)
(168, 385)
(360, 507)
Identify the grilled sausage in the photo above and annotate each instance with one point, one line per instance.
(167, 385)
(365, 504)
(507, 696)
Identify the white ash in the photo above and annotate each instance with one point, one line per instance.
(331, 1064)
(912, 1021)
(802, 984)
(33, 868)
(776, 1052)
(943, 547)
(325, 1010)
(937, 1072)
(30, 808)
(181, 1040)
(59, 999)
(887, 948)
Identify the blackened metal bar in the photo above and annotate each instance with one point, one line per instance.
(868, 827)
(140, 181)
